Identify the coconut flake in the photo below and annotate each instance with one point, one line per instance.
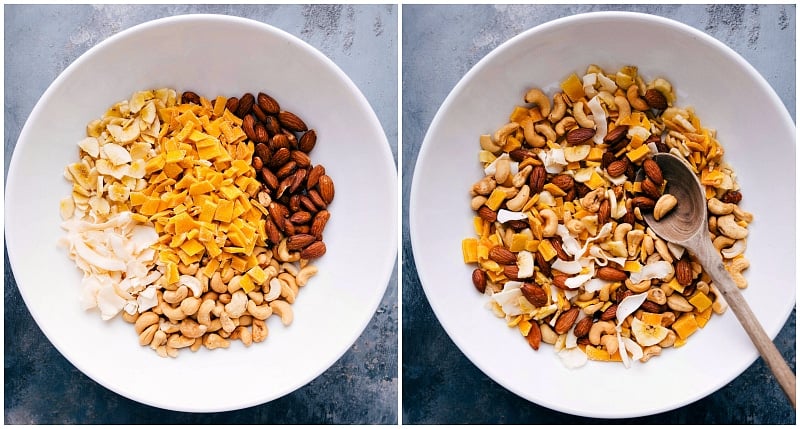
(569, 243)
(576, 281)
(504, 216)
(634, 348)
(595, 285)
(628, 306)
(653, 270)
(567, 267)
(553, 160)
(599, 118)
(573, 358)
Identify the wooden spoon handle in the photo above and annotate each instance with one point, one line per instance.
(712, 262)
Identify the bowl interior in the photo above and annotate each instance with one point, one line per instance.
(211, 55)
(728, 95)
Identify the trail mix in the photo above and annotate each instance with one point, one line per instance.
(195, 219)
(561, 249)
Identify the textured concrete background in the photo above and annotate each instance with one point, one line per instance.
(41, 387)
(440, 44)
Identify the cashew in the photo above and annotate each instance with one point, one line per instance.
(190, 269)
(598, 329)
(274, 289)
(559, 108)
(176, 296)
(130, 318)
(518, 202)
(178, 341)
(642, 286)
(234, 284)
(191, 329)
(521, 177)
(538, 98)
(623, 108)
(159, 339)
(477, 202)
(502, 170)
(634, 240)
(217, 284)
(503, 132)
(488, 144)
(484, 186)
(610, 343)
(146, 336)
(260, 312)
(238, 303)
(575, 226)
(260, 331)
(592, 200)
(227, 274)
(565, 124)
(722, 242)
(663, 250)
(593, 308)
(649, 352)
(621, 231)
(580, 116)
(228, 325)
(679, 303)
(740, 214)
(664, 205)
(605, 293)
(669, 340)
(636, 101)
(546, 130)
(657, 295)
(727, 226)
(284, 310)
(171, 312)
(550, 222)
(720, 304)
(283, 251)
(719, 208)
(244, 335)
(204, 312)
(668, 318)
(531, 136)
(214, 341)
(703, 287)
(288, 290)
(144, 321)
(735, 268)
(549, 336)
(735, 250)
(712, 225)
(168, 327)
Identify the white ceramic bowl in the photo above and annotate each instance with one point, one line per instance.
(727, 93)
(211, 55)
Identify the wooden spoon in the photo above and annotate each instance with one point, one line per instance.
(687, 225)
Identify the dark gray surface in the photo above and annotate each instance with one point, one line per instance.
(440, 44)
(41, 387)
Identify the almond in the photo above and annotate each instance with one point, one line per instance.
(487, 214)
(644, 203)
(653, 171)
(326, 190)
(732, 197)
(268, 104)
(520, 154)
(617, 168)
(313, 250)
(299, 241)
(190, 97)
(683, 272)
(248, 126)
(314, 174)
(582, 327)
(502, 256)
(232, 104)
(611, 274)
(301, 158)
(563, 181)
(616, 134)
(273, 234)
(317, 199)
(291, 122)
(260, 115)
(260, 132)
(610, 313)
(308, 141)
(272, 124)
(300, 217)
(298, 178)
(579, 135)
(511, 272)
(278, 141)
(651, 189)
(655, 99)
(651, 307)
(566, 320)
(556, 243)
(479, 280)
(542, 265)
(245, 105)
(307, 204)
(604, 213)
(280, 157)
(263, 152)
(560, 281)
(534, 336)
(319, 222)
(286, 169)
(537, 179)
(534, 294)
(269, 178)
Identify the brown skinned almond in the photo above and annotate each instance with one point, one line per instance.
(534, 294)
(611, 274)
(291, 122)
(479, 280)
(534, 336)
(579, 135)
(326, 190)
(299, 241)
(566, 320)
(313, 250)
(319, 222)
(582, 327)
(268, 104)
(502, 256)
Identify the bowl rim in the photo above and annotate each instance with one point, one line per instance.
(417, 242)
(386, 157)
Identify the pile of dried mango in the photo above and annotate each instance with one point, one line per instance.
(562, 250)
(176, 223)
